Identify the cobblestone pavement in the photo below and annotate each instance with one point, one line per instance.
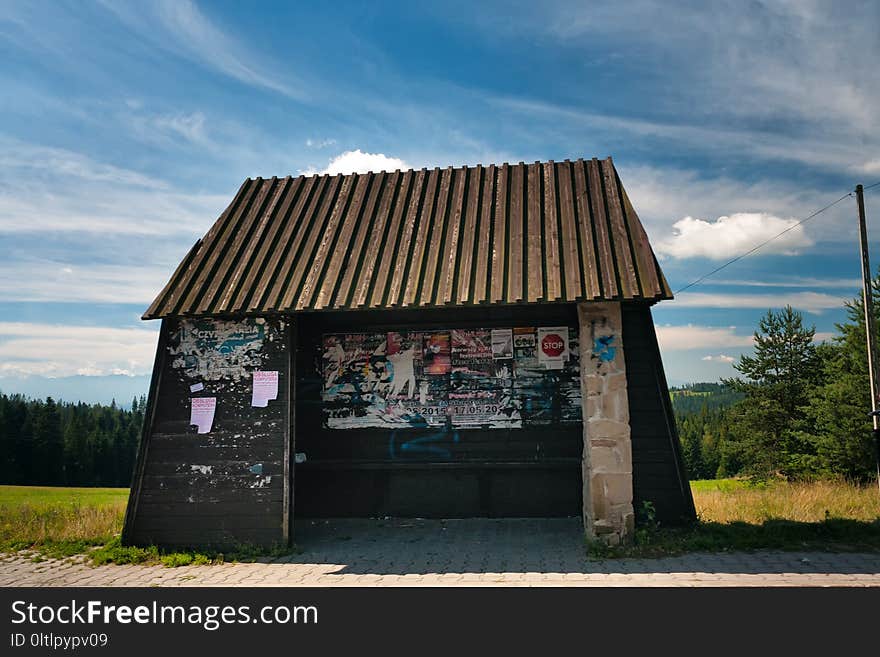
(517, 552)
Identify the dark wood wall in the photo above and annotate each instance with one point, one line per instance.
(223, 488)
(658, 470)
(231, 486)
(534, 471)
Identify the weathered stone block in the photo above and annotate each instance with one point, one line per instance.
(615, 382)
(607, 461)
(604, 459)
(615, 486)
(615, 405)
(592, 384)
(591, 407)
(606, 428)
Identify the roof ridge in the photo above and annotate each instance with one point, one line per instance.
(441, 168)
(499, 234)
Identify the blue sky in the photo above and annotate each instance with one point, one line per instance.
(126, 127)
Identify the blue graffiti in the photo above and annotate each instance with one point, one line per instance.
(602, 348)
(419, 446)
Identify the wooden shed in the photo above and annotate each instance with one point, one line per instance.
(459, 342)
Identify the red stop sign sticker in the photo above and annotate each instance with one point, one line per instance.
(553, 345)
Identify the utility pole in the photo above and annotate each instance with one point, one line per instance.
(870, 328)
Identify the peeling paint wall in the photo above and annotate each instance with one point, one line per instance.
(226, 486)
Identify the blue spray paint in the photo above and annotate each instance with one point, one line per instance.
(419, 446)
(602, 348)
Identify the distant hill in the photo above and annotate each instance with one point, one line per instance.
(694, 397)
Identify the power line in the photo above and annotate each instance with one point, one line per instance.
(867, 187)
(765, 242)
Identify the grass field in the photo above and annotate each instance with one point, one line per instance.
(57, 520)
(60, 522)
(730, 500)
(733, 514)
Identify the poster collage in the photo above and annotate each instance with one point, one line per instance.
(502, 378)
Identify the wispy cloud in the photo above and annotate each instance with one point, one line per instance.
(825, 151)
(171, 127)
(687, 337)
(55, 190)
(50, 350)
(760, 60)
(320, 143)
(811, 302)
(40, 162)
(42, 281)
(795, 282)
(181, 27)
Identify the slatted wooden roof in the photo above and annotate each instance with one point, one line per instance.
(507, 234)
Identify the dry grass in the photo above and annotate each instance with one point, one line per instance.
(801, 502)
(31, 515)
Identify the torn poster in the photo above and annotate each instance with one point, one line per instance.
(553, 347)
(202, 412)
(502, 343)
(436, 358)
(479, 394)
(265, 388)
(546, 396)
(470, 378)
(214, 350)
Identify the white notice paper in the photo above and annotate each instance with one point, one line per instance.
(265, 388)
(553, 347)
(202, 412)
(196, 387)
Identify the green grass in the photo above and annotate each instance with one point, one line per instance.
(57, 522)
(51, 495)
(722, 485)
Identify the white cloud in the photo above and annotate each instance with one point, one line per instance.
(663, 195)
(63, 350)
(683, 338)
(720, 358)
(732, 235)
(357, 161)
(811, 302)
(823, 336)
(870, 167)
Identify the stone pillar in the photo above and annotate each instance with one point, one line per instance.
(607, 461)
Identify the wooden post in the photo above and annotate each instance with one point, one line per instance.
(870, 328)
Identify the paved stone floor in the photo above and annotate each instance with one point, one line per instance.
(507, 552)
